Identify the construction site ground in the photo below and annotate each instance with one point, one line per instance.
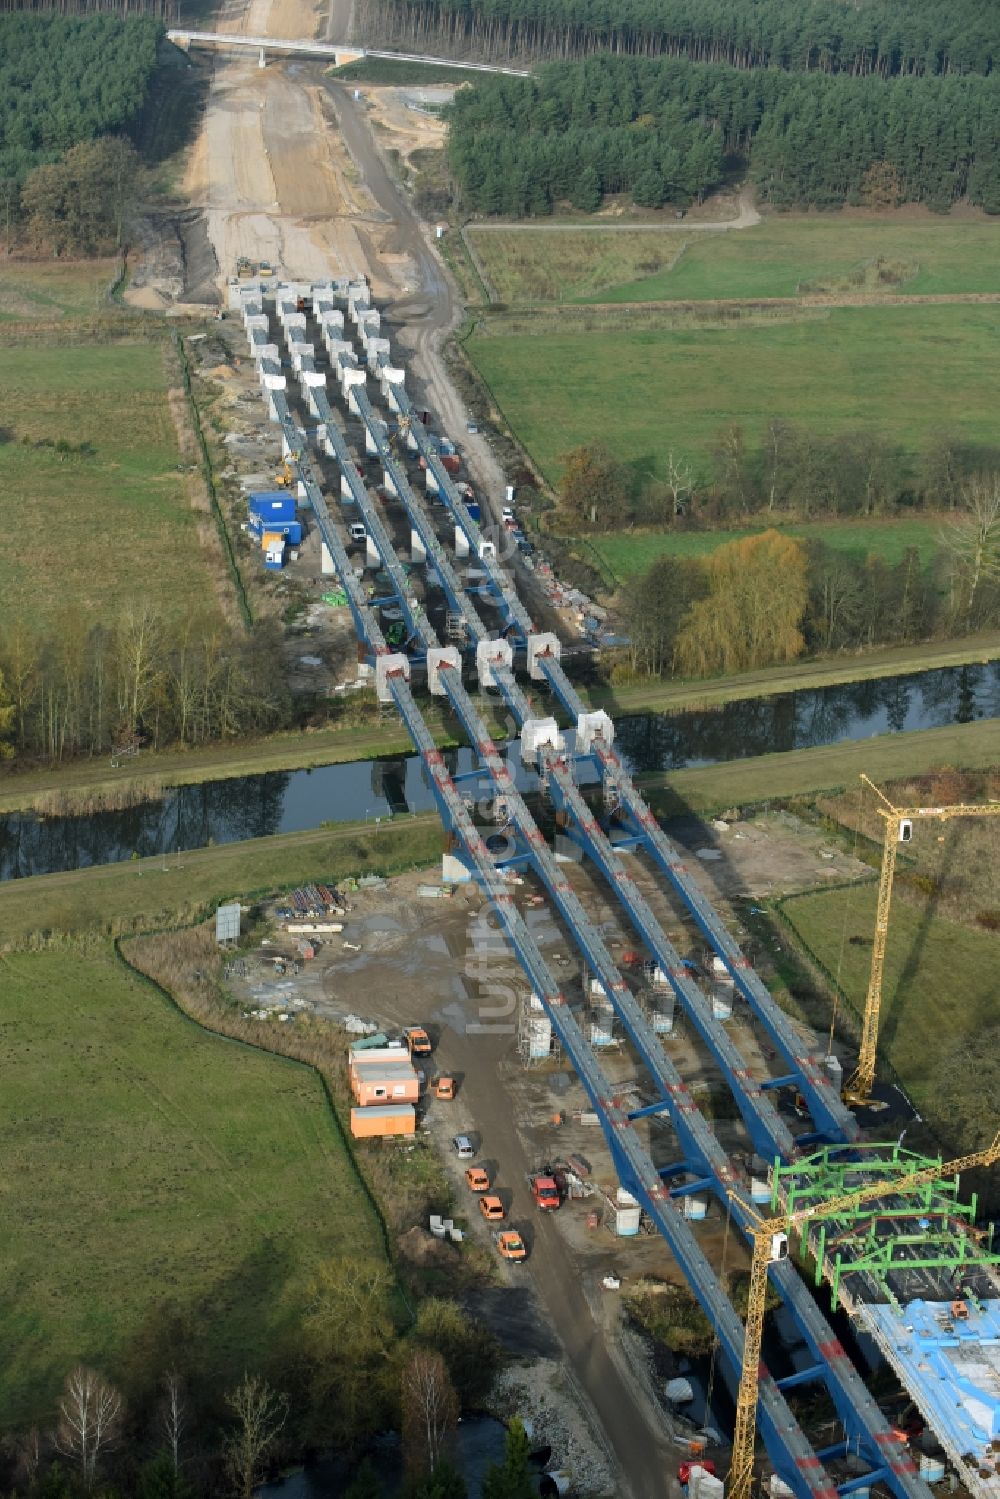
(290, 167)
(406, 957)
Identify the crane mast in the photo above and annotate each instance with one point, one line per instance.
(898, 820)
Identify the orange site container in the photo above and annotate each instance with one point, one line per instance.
(383, 1119)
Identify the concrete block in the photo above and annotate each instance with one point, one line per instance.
(541, 645)
(438, 656)
(539, 733)
(454, 871)
(591, 726)
(491, 654)
(386, 666)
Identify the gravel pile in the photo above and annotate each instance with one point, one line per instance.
(539, 1394)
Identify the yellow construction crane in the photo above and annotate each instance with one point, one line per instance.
(898, 829)
(770, 1243)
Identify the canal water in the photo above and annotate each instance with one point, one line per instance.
(479, 1441)
(257, 806)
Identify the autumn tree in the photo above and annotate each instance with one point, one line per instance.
(81, 204)
(429, 1408)
(259, 1414)
(753, 611)
(470, 1350)
(90, 1414)
(347, 1335)
(593, 489)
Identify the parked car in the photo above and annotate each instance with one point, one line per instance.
(471, 427)
(463, 1146)
(477, 1179)
(510, 1245)
(492, 1209)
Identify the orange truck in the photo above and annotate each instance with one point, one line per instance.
(544, 1191)
(417, 1040)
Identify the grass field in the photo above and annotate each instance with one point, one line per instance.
(152, 893)
(907, 372)
(53, 289)
(547, 266)
(925, 956)
(87, 532)
(625, 555)
(829, 767)
(782, 257)
(147, 1162)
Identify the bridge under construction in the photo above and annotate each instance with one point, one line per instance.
(914, 1270)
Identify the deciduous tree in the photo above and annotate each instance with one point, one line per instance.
(429, 1408)
(753, 612)
(90, 1413)
(260, 1414)
(973, 539)
(592, 490)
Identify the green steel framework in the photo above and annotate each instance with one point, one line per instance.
(944, 1229)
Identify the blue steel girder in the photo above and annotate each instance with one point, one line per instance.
(769, 1134)
(793, 1459)
(858, 1412)
(833, 1120)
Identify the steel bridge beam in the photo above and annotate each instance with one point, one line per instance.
(793, 1459)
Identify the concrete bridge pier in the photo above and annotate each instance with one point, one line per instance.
(262, 60)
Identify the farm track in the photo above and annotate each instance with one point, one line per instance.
(752, 304)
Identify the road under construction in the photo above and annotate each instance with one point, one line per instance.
(914, 1271)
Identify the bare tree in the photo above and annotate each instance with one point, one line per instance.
(26, 1451)
(430, 1409)
(260, 1415)
(679, 483)
(90, 1412)
(973, 537)
(174, 1415)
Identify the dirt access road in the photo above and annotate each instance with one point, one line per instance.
(276, 183)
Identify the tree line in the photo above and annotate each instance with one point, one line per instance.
(767, 599)
(883, 38)
(139, 678)
(175, 1439)
(663, 129)
(785, 470)
(67, 79)
(162, 10)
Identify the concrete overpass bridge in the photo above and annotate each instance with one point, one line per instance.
(337, 52)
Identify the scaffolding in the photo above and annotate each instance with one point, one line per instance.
(534, 1032)
(926, 1229)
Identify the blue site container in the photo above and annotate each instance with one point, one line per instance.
(273, 506)
(472, 506)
